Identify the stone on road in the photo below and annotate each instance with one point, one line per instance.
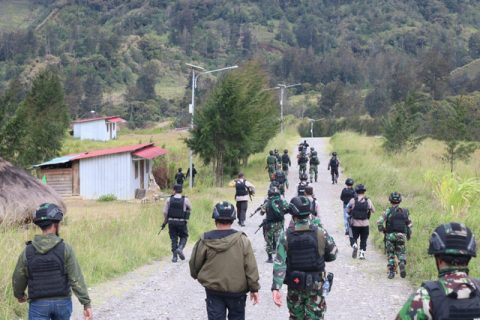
(164, 290)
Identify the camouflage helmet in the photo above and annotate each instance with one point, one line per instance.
(303, 177)
(273, 191)
(349, 182)
(395, 197)
(46, 214)
(453, 239)
(300, 207)
(224, 211)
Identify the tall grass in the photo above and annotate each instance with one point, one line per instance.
(432, 195)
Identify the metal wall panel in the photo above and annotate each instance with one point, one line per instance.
(110, 174)
(94, 130)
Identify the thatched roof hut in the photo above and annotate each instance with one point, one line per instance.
(21, 194)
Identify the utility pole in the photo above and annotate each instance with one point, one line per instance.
(282, 88)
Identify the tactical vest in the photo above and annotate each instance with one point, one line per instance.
(347, 195)
(271, 160)
(175, 210)
(302, 251)
(448, 307)
(397, 220)
(46, 273)
(303, 159)
(314, 161)
(280, 177)
(301, 189)
(334, 163)
(285, 159)
(240, 188)
(275, 210)
(360, 210)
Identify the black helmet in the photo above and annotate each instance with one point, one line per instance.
(303, 177)
(224, 211)
(314, 153)
(349, 182)
(334, 154)
(453, 239)
(271, 152)
(178, 188)
(395, 197)
(275, 151)
(360, 188)
(300, 206)
(46, 214)
(312, 148)
(273, 191)
(285, 151)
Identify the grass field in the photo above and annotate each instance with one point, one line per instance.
(430, 192)
(112, 238)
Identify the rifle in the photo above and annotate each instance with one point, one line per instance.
(256, 210)
(264, 222)
(161, 229)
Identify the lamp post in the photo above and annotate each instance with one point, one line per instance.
(197, 71)
(282, 88)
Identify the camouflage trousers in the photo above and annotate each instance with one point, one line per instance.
(303, 168)
(271, 171)
(306, 304)
(395, 246)
(313, 172)
(271, 233)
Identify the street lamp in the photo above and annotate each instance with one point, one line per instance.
(282, 88)
(197, 71)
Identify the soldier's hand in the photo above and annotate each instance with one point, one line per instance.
(255, 297)
(22, 299)
(88, 314)
(277, 297)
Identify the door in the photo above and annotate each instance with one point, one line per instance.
(142, 174)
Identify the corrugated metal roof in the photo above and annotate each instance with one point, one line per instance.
(58, 160)
(109, 119)
(150, 152)
(105, 152)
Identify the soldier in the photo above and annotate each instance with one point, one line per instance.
(347, 194)
(333, 165)
(454, 295)
(300, 263)
(302, 160)
(179, 177)
(279, 159)
(274, 208)
(396, 225)
(282, 181)
(271, 164)
(302, 184)
(176, 214)
(314, 162)
(224, 263)
(243, 191)
(359, 210)
(50, 270)
(286, 163)
(315, 207)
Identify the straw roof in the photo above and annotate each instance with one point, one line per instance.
(21, 194)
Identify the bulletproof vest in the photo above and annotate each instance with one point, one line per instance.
(360, 211)
(303, 159)
(46, 273)
(240, 188)
(397, 220)
(314, 160)
(302, 251)
(271, 160)
(333, 162)
(274, 210)
(179, 177)
(301, 189)
(347, 195)
(285, 158)
(175, 210)
(449, 307)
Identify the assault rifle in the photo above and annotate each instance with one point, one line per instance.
(256, 210)
(264, 222)
(162, 228)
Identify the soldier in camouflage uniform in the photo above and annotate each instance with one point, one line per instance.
(304, 279)
(314, 162)
(271, 165)
(274, 208)
(396, 225)
(455, 295)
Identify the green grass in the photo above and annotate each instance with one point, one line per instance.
(432, 195)
(16, 14)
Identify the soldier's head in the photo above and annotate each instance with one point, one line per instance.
(360, 189)
(273, 191)
(300, 208)
(303, 177)
(179, 169)
(224, 214)
(285, 151)
(395, 198)
(334, 154)
(309, 191)
(453, 245)
(349, 182)
(275, 151)
(270, 152)
(48, 217)
(178, 188)
(240, 175)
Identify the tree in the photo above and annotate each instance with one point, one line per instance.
(235, 121)
(474, 45)
(377, 102)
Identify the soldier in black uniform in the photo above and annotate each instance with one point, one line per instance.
(286, 163)
(176, 214)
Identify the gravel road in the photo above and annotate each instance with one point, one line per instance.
(163, 290)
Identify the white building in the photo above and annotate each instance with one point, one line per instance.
(101, 129)
(118, 171)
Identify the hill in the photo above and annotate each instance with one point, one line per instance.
(129, 57)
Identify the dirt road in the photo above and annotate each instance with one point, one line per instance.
(164, 290)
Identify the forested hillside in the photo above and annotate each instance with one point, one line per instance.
(352, 57)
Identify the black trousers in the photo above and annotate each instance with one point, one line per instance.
(361, 232)
(178, 233)
(217, 307)
(242, 210)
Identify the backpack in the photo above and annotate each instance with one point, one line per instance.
(314, 160)
(334, 162)
(275, 211)
(280, 177)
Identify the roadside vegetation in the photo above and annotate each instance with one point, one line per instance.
(430, 190)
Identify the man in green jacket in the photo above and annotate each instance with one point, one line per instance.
(50, 270)
(223, 262)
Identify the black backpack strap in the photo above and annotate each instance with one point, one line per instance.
(436, 293)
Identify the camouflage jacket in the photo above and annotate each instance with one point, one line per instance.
(280, 263)
(419, 306)
(382, 221)
(284, 204)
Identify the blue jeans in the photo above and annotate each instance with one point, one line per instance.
(345, 218)
(53, 309)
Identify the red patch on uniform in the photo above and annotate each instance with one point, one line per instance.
(296, 280)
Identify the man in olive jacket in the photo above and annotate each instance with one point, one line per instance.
(223, 262)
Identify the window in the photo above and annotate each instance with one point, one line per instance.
(136, 164)
(108, 128)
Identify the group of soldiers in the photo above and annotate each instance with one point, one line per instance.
(223, 261)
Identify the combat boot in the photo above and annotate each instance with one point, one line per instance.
(362, 255)
(181, 245)
(391, 273)
(174, 258)
(270, 258)
(403, 272)
(355, 250)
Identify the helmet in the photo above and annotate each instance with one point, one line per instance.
(360, 188)
(314, 153)
(275, 151)
(271, 152)
(309, 190)
(312, 148)
(334, 154)
(300, 206)
(349, 182)
(224, 211)
(46, 214)
(395, 197)
(273, 191)
(453, 239)
(178, 188)
(303, 177)
(285, 151)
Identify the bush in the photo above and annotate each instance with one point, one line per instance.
(107, 198)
